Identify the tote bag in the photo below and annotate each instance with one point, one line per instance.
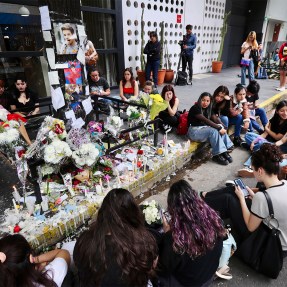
(262, 250)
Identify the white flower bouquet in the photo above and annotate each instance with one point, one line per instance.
(56, 151)
(151, 211)
(114, 124)
(133, 112)
(86, 155)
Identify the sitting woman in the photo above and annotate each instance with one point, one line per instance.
(274, 130)
(169, 117)
(128, 85)
(204, 126)
(117, 250)
(247, 214)
(192, 242)
(223, 107)
(252, 98)
(24, 99)
(19, 266)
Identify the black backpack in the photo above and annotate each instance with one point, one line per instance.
(181, 78)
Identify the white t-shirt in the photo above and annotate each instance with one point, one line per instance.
(278, 195)
(56, 270)
(246, 55)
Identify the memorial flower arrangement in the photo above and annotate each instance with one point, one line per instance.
(151, 211)
(56, 151)
(86, 155)
(155, 103)
(133, 112)
(76, 137)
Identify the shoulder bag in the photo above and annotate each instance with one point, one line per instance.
(262, 250)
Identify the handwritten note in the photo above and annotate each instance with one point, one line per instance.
(87, 105)
(45, 18)
(57, 96)
(53, 78)
(51, 57)
(70, 115)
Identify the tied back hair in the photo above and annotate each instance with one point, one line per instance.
(17, 270)
(195, 227)
(119, 224)
(209, 108)
(268, 157)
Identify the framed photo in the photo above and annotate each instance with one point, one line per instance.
(73, 92)
(73, 74)
(67, 41)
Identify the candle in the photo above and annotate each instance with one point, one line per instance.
(16, 194)
(15, 205)
(145, 162)
(101, 184)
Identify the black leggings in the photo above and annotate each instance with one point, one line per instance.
(227, 204)
(168, 119)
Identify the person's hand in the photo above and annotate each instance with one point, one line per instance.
(246, 125)
(251, 192)
(165, 225)
(239, 193)
(222, 131)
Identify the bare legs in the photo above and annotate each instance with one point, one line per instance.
(24, 134)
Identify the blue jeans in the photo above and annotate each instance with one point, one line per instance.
(237, 121)
(250, 73)
(263, 118)
(219, 143)
(152, 66)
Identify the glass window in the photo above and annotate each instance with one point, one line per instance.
(108, 4)
(19, 33)
(103, 36)
(32, 68)
(108, 66)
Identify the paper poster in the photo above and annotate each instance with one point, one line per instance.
(45, 18)
(51, 58)
(73, 92)
(70, 115)
(73, 73)
(67, 41)
(47, 36)
(81, 30)
(81, 56)
(57, 98)
(53, 78)
(78, 123)
(87, 105)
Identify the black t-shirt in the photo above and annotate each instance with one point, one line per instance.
(277, 128)
(29, 106)
(188, 271)
(100, 85)
(193, 120)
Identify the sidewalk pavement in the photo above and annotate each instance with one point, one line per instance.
(209, 175)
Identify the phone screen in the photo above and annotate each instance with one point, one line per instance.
(240, 183)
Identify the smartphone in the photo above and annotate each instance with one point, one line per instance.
(167, 216)
(240, 183)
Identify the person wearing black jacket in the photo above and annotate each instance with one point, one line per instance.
(152, 50)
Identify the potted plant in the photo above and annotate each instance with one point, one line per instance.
(217, 65)
(161, 71)
(169, 73)
(141, 72)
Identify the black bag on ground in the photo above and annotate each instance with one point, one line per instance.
(262, 250)
(181, 78)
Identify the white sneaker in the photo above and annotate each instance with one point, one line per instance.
(280, 89)
(245, 172)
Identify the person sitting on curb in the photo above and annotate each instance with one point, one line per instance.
(205, 126)
(247, 213)
(252, 98)
(170, 116)
(274, 131)
(225, 110)
(149, 88)
(128, 85)
(19, 266)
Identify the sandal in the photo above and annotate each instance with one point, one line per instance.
(223, 273)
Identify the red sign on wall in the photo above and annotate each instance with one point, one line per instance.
(178, 19)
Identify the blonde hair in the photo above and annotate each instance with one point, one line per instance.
(254, 43)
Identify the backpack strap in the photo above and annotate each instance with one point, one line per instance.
(269, 203)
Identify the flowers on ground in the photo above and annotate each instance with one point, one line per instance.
(151, 212)
(86, 155)
(56, 151)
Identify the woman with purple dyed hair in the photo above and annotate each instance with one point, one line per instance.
(192, 243)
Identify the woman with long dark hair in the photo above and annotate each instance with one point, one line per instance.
(128, 85)
(204, 126)
(117, 250)
(192, 243)
(24, 99)
(170, 116)
(18, 266)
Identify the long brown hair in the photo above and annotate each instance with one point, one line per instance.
(168, 88)
(17, 270)
(120, 231)
(132, 80)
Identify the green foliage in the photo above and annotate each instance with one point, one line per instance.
(223, 31)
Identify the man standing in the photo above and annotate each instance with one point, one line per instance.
(189, 44)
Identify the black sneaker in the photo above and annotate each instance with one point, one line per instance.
(245, 145)
(166, 128)
(220, 159)
(227, 156)
(237, 141)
